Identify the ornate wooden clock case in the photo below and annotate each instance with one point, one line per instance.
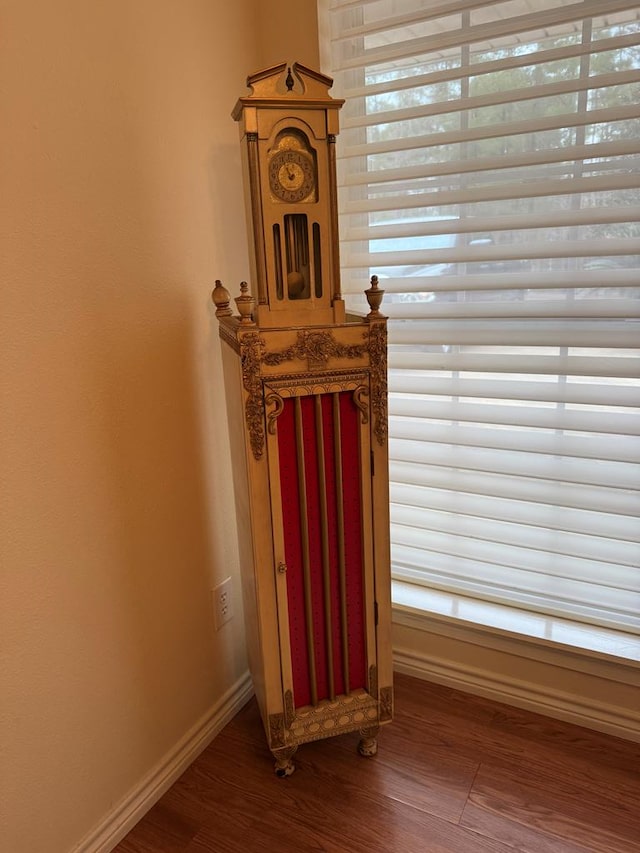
(307, 400)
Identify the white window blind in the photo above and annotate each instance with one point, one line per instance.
(489, 170)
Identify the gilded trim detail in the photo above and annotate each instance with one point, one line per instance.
(289, 712)
(378, 355)
(386, 704)
(276, 400)
(276, 731)
(348, 713)
(317, 348)
(312, 383)
(251, 351)
(358, 394)
(373, 681)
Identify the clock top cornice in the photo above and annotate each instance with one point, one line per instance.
(295, 86)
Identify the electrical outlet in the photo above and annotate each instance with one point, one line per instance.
(222, 610)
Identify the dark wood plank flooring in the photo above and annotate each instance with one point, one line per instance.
(454, 774)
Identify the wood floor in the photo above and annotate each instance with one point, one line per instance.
(454, 774)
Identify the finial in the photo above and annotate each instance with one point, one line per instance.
(246, 304)
(290, 82)
(374, 297)
(221, 298)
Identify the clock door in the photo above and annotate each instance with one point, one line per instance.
(319, 457)
(293, 214)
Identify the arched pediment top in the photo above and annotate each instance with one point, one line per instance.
(296, 83)
(283, 79)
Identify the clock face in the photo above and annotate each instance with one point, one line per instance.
(291, 175)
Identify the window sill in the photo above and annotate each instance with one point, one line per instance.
(491, 624)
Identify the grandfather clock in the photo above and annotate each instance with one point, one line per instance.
(307, 400)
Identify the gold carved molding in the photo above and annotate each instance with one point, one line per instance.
(378, 356)
(317, 348)
(289, 712)
(386, 704)
(275, 400)
(347, 713)
(300, 384)
(373, 681)
(276, 731)
(358, 394)
(251, 352)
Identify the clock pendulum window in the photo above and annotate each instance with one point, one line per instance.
(306, 391)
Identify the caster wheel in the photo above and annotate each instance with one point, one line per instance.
(284, 765)
(284, 769)
(368, 747)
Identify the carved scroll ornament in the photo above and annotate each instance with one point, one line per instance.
(378, 356)
(317, 348)
(251, 352)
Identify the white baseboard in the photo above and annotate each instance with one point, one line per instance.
(522, 694)
(123, 817)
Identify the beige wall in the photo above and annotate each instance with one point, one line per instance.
(288, 33)
(120, 199)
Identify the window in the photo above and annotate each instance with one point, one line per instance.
(489, 174)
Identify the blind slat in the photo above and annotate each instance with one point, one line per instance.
(584, 308)
(550, 417)
(595, 365)
(528, 189)
(479, 102)
(419, 529)
(498, 252)
(409, 524)
(429, 228)
(616, 448)
(591, 472)
(596, 523)
(531, 158)
(501, 563)
(615, 501)
(543, 594)
(436, 10)
(513, 25)
(568, 279)
(621, 112)
(582, 393)
(461, 72)
(571, 333)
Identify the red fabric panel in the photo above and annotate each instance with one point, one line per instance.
(330, 474)
(315, 544)
(352, 501)
(293, 553)
(349, 421)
